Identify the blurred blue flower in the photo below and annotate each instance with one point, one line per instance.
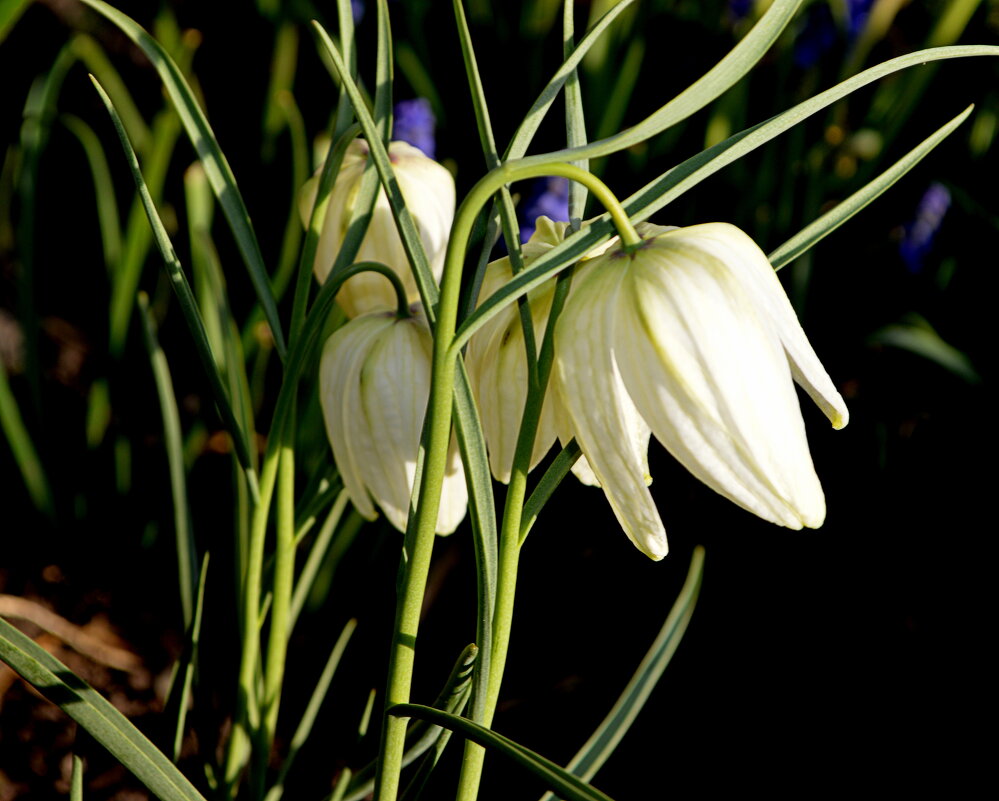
(549, 197)
(414, 123)
(857, 12)
(738, 9)
(919, 233)
(817, 35)
(357, 9)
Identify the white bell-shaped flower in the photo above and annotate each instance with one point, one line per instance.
(497, 357)
(428, 189)
(374, 383)
(692, 338)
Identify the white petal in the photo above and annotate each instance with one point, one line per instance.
(395, 386)
(454, 493)
(497, 364)
(601, 414)
(705, 367)
(428, 190)
(752, 267)
(339, 374)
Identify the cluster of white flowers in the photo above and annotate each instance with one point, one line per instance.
(374, 373)
(689, 337)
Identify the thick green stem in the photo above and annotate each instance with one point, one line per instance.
(247, 719)
(284, 572)
(419, 542)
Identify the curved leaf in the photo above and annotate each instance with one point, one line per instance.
(559, 780)
(673, 183)
(216, 167)
(831, 220)
(101, 720)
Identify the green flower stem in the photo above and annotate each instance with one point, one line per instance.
(511, 539)
(419, 542)
(284, 575)
(247, 719)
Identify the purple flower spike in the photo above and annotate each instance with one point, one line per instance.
(738, 9)
(857, 12)
(816, 37)
(549, 197)
(357, 9)
(917, 239)
(414, 123)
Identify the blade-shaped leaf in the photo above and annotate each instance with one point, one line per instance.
(605, 739)
(732, 68)
(831, 220)
(672, 184)
(187, 566)
(559, 780)
(216, 167)
(185, 296)
(101, 720)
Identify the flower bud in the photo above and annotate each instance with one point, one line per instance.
(374, 384)
(428, 190)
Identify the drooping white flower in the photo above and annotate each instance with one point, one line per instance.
(692, 338)
(497, 357)
(374, 383)
(428, 189)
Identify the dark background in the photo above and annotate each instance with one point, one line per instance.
(849, 659)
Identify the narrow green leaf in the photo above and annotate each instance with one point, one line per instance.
(213, 299)
(100, 719)
(673, 183)
(187, 662)
(316, 557)
(916, 335)
(383, 74)
(560, 781)
(575, 119)
(732, 68)
(436, 738)
(39, 111)
(806, 238)
(345, 26)
(605, 739)
(291, 243)
(108, 218)
(411, 241)
(421, 735)
(282, 78)
(187, 566)
(96, 60)
(216, 167)
(76, 780)
(308, 719)
(469, 430)
(504, 203)
(352, 239)
(546, 486)
(182, 289)
(25, 455)
(10, 13)
(138, 234)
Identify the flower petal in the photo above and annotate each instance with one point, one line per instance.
(394, 387)
(751, 266)
(704, 365)
(339, 374)
(602, 416)
(428, 190)
(454, 493)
